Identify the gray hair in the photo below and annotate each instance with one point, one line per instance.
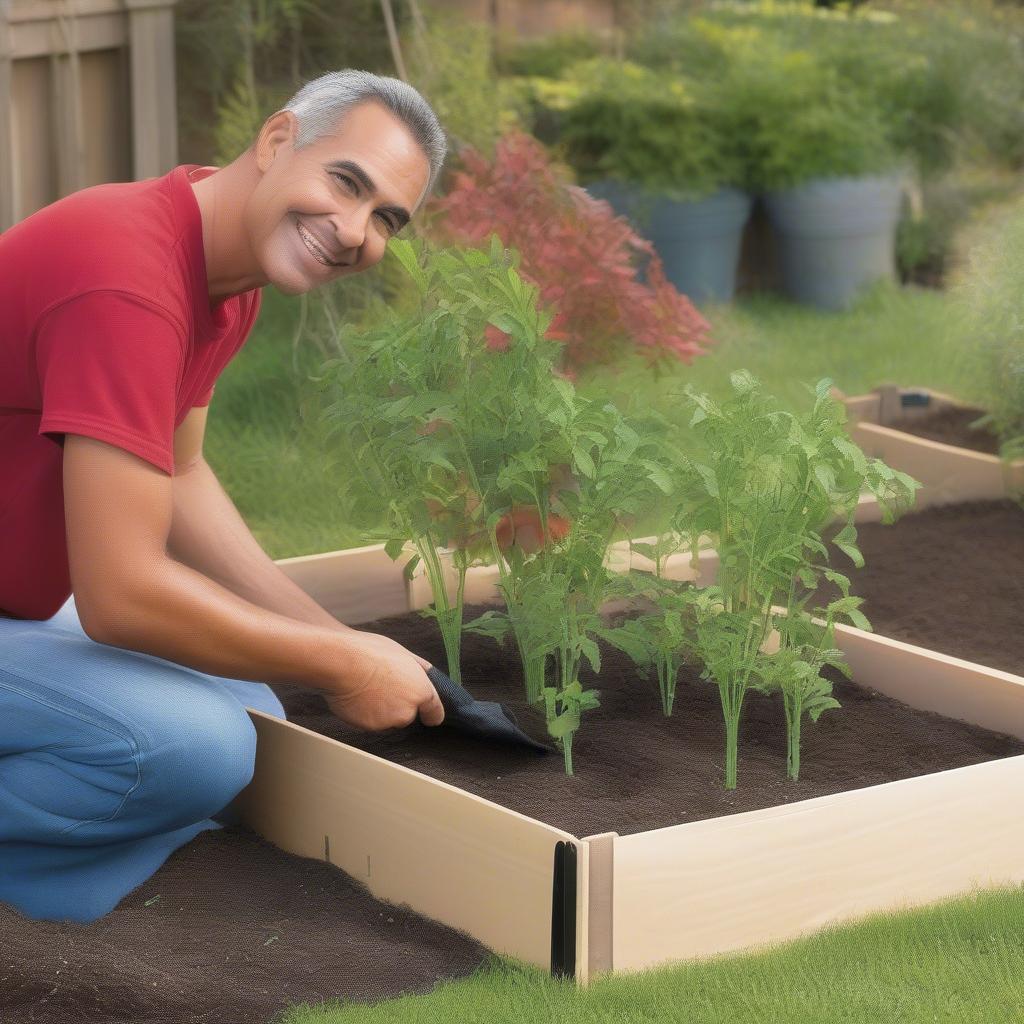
(321, 103)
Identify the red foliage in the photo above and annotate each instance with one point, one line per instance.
(575, 250)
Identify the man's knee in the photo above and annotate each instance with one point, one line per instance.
(204, 759)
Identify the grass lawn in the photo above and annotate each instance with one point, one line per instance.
(955, 962)
(958, 962)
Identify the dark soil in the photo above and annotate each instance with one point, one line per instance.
(236, 930)
(638, 770)
(950, 578)
(951, 425)
(241, 930)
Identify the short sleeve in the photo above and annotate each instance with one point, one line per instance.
(204, 399)
(109, 364)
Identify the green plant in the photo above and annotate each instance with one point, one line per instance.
(660, 638)
(422, 410)
(795, 669)
(451, 63)
(765, 486)
(795, 120)
(548, 56)
(945, 79)
(990, 299)
(620, 120)
(554, 595)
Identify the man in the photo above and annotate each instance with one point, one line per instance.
(138, 615)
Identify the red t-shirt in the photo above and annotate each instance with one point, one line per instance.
(106, 330)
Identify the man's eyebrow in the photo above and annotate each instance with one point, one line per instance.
(400, 212)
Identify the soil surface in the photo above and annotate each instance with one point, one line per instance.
(638, 770)
(236, 929)
(950, 578)
(951, 425)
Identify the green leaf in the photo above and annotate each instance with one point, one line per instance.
(591, 652)
(825, 477)
(410, 567)
(859, 620)
(841, 581)
(710, 480)
(405, 254)
(658, 476)
(845, 540)
(815, 708)
(584, 463)
(393, 547)
(565, 723)
(743, 382)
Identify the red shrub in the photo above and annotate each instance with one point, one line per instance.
(581, 257)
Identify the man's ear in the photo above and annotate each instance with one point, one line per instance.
(280, 129)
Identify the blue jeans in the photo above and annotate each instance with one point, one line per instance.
(110, 760)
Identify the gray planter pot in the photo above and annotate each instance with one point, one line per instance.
(698, 241)
(834, 236)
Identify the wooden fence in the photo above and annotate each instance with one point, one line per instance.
(87, 95)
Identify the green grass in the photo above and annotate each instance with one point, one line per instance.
(273, 466)
(954, 962)
(902, 336)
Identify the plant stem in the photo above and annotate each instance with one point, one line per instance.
(567, 752)
(666, 681)
(732, 722)
(534, 673)
(449, 619)
(793, 716)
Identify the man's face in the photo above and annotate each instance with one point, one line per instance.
(327, 210)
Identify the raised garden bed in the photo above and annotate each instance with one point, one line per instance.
(926, 434)
(234, 928)
(523, 879)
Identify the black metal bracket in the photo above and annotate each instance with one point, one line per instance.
(563, 912)
(915, 398)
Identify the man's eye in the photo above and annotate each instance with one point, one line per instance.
(385, 219)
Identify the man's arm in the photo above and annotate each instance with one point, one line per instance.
(130, 593)
(209, 535)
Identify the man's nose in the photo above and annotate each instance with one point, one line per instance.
(350, 233)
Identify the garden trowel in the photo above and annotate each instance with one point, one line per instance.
(482, 719)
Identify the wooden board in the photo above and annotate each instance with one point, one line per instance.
(936, 682)
(766, 876)
(410, 839)
(355, 585)
(947, 473)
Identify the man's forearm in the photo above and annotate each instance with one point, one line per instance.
(209, 535)
(174, 612)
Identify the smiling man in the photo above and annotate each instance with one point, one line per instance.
(138, 615)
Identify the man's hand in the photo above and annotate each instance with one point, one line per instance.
(384, 686)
